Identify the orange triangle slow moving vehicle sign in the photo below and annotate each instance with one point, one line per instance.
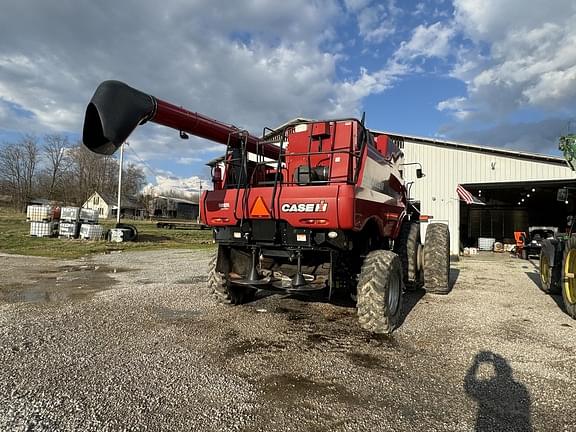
(259, 209)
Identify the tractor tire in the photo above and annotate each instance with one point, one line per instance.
(437, 259)
(379, 292)
(568, 277)
(408, 247)
(549, 275)
(225, 292)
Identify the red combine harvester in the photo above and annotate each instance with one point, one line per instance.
(318, 205)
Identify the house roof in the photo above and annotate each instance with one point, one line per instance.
(112, 200)
(178, 200)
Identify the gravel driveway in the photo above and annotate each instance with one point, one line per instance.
(134, 341)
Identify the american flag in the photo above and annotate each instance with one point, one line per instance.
(467, 197)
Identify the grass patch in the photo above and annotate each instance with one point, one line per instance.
(15, 238)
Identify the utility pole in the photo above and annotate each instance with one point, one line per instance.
(120, 182)
(199, 199)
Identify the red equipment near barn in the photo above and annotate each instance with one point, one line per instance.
(312, 206)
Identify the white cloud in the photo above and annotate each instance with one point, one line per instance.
(456, 106)
(428, 41)
(356, 5)
(366, 84)
(522, 56)
(253, 63)
(188, 188)
(376, 20)
(419, 9)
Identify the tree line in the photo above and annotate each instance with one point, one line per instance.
(56, 169)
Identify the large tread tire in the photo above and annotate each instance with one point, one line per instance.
(224, 292)
(406, 246)
(569, 284)
(550, 275)
(437, 259)
(379, 292)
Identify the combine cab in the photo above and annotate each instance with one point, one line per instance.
(318, 206)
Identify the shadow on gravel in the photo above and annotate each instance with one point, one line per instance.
(409, 301)
(535, 277)
(503, 403)
(453, 277)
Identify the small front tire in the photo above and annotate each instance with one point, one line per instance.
(549, 275)
(408, 247)
(437, 259)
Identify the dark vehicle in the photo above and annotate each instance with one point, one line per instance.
(533, 244)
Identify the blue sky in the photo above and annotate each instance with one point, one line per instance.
(491, 72)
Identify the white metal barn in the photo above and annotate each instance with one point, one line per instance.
(519, 188)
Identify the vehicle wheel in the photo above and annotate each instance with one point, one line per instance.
(408, 247)
(569, 279)
(225, 292)
(437, 259)
(379, 292)
(549, 276)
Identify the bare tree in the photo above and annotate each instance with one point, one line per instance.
(18, 162)
(57, 160)
(133, 180)
(91, 173)
(68, 174)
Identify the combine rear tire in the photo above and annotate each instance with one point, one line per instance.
(379, 292)
(437, 259)
(408, 247)
(225, 292)
(569, 277)
(549, 275)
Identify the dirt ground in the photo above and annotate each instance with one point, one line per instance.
(135, 341)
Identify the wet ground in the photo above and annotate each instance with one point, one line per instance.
(135, 341)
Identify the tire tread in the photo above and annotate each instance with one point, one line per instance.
(437, 259)
(372, 306)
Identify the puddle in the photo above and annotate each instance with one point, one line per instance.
(249, 346)
(294, 389)
(61, 284)
(291, 314)
(367, 361)
(381, 340)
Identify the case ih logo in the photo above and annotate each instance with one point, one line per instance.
(305, 207)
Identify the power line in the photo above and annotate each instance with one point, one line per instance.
(200, 180)
(154, 173)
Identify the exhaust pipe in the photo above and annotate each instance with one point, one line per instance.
(116, 109)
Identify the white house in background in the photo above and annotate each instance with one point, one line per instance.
(107, 205)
